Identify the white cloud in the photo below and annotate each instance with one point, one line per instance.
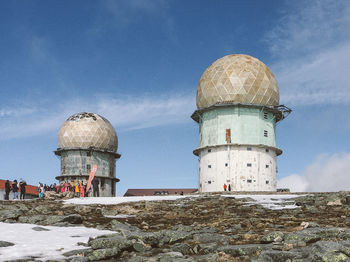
(327, 173)
(124, 114)
(11, 112)
(135, 113)
(311, 45)
(129, 11)
(294, 182)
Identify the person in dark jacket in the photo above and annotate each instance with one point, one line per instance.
(15, 189)
(95, 183)
(7, 189)
(22, 187)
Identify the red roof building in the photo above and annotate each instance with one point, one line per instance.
(30, 190)
(160, 191)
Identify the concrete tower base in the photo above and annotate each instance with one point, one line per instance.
(239, 167)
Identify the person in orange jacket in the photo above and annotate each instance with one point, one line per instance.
(76, 189)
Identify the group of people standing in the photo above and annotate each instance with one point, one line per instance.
(227, 188)
(15, 187)
(77, 187)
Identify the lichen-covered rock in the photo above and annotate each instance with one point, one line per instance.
(278, 256)
(40, 229)
(73, 219)
(102, 254)
(114, 241)
(272, 237)
(10, 214)
(211, 237)
(140, 247)
(302, 236)
(171, 236)
(183, 248)
(242, 250)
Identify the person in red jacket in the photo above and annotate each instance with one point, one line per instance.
(225, 187)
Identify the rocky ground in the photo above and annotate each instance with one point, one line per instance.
(204, 228)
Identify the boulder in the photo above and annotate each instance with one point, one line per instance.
(5, 244)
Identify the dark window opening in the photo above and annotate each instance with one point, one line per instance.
(249, 164)
(209, 166)
(226, 164)
(249, 148)
(267, 182)
(266, 115)
(267, 166)
(161, 193)
(88, 167)
(265, 133)
(267, 150)
(209, 150)
(209, 182)
(88, 153)
(249, 180)
(102, 182)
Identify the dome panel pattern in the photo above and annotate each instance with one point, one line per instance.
(85, 130)
(237, 79)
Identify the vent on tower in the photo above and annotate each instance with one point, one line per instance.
(228, 135)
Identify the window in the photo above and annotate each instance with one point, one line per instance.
(209, 182)
(102, 182)
(88, 153)
(249, 148)
(267, 166)
(88, 167)
(249, 180)
(209, 166)
(266, 115)
(226, 164)
(209, 150)
(267, 150)
(267, 182)
(265, 133)
(249, 164)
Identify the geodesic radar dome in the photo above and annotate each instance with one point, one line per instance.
(87, 130)
(237, 79)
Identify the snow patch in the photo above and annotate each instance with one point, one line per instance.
(274, 202)
(121, 216)
(119, 200)
(44, 245)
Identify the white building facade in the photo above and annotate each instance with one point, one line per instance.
(238, 108)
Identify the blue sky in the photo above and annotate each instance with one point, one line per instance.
(138, 63)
